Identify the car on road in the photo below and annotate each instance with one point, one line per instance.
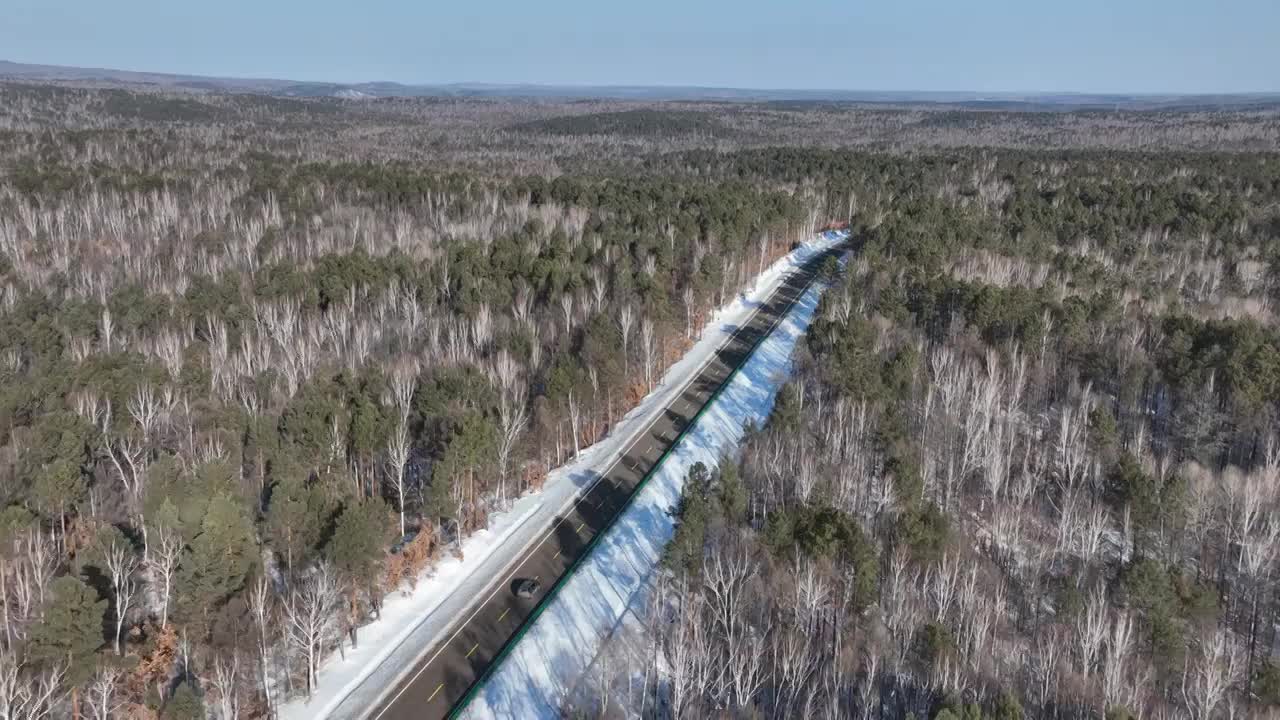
(525, 588)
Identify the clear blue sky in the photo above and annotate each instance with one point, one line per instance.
(983, 45)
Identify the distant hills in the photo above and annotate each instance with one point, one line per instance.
(291, 88)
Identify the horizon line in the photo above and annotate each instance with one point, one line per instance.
(571, 85)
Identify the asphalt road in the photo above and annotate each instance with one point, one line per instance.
(448, 670)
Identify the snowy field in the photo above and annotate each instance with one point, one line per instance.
(562, 643)
(412, 621)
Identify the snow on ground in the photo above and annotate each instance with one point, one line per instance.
(560, 646)
(411, 622)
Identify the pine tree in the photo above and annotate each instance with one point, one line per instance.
(184, 705)
(57, 489)
(294, 519)
(733, 494)
(218, 558)
(692, 517)
(70, 629)
(356, 551)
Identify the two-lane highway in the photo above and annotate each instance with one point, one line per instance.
(442, 677)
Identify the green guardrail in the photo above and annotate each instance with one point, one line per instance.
(478, 685)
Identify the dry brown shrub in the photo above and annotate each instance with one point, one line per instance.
(153, 670)
(635, 393)
(534, 474)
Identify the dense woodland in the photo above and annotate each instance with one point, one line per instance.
(265, 360)
(1029, 467)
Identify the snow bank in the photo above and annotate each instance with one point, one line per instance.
(410, 624)
(561, 644)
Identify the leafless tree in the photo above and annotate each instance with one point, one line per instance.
(512, 417)
(1118, 666)
(106, 330)
(1205, 685)
(726, 585)
(899, 603)
(686, 647)
(26, 694)
(1044, 666)
(102, 696)
(794, 660)
(145, 409)
(566, 311)
(163, 562)
(1091, 629)
(575, 422)
(121, 563)
(942, 581)
(980, 614)
(646, 338)
(261, 601)
(37, 563)
(625, 319)
(688, 299)
(223, 685)
(398, 462)
(1259, 553)
(401, 386)
(310, 611)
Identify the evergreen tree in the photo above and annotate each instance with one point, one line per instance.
(356, 551)
(734, 497)
(295, 519)
(58, 489)
(70, 628)
(1007, 707)
(358, 540)
(14, 521)
(185, 704)
(692, 517)
(218, 558)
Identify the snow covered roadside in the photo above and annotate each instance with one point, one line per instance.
(563, 642)
(389, 647)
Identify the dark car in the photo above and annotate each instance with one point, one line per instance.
(525, 588)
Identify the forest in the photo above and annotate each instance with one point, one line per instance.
(1029, 465)
(266, 361)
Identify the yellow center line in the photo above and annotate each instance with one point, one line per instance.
(436, 692)
(473, 649)
(504, 614)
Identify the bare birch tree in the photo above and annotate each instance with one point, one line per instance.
(310, 611)
(121, 564)
(1205, 684)
(575, 422)
(26, 694)
(398, 466)
(261, 602)
(646, 338)
(625, 319)
(163, 562)
(102, 696)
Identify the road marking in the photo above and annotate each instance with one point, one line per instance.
(580, 528)
(557, 557)
(473, 649)
(436, 692)
(532, 551)
(504, 614)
